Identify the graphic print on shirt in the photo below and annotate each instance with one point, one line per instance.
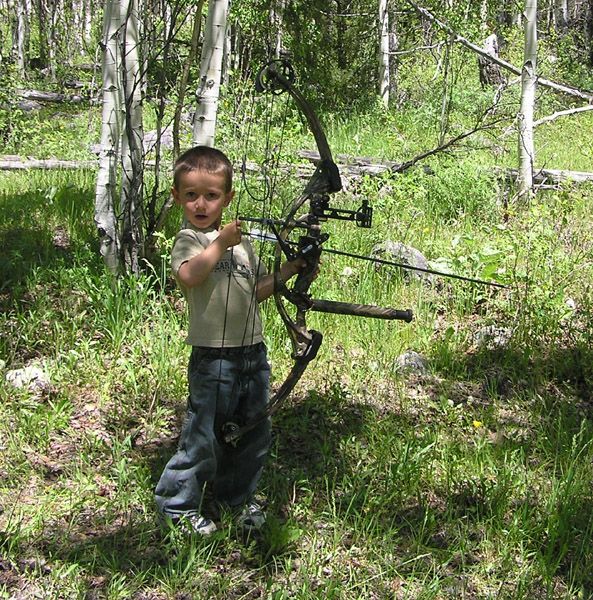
(230, 265)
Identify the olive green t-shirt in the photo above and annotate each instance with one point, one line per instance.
(223, 310)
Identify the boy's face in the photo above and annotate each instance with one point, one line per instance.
(203, 197)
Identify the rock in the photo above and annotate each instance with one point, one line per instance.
(151, 139)
(411, 362)
(407, 255)
(32, 377)
(29, 105)
(492, 337)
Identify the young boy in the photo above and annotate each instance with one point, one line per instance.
(223, 281)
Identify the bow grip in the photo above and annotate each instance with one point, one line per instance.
(310, 250)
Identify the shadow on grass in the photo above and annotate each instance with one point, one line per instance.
(37, 231)
(311, 439)
(307, 434)
(545, 392)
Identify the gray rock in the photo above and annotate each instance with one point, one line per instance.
(31, 377)
(29, 105)
(492, 337)
(406, 255)
(411, 362)
(151, 138)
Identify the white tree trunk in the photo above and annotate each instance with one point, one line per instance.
(562, 14)
(132, 184)
(484, 17)
(87, 20)
(393, 48)
(23, 14)
(528, 87)
(276, 20)
(106, 190)
(384, 84)
(210, 73)
(226, 57)
(53, 11)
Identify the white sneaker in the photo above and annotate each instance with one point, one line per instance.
(192, 524)
(252, 516)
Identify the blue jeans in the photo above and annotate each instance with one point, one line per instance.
(228, 384)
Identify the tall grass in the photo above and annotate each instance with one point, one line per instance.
(471, 480)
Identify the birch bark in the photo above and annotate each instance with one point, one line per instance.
(276, 20)
(106, 189)
(207, 95)
(528, 88)
(23, 12)
(132, 185)
(393, 48)
(87, 20)
(384, 84)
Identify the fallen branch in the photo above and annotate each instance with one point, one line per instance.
(562, 113)
(363, 166)
(16, 163)
(587, 96)
(442, 147)
(48, 96)
(549, 175)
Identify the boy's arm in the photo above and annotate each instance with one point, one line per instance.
(194, 271)
(265, 284)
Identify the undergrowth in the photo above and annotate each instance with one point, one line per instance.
(472, 479)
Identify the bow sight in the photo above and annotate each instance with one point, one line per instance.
(362, 216)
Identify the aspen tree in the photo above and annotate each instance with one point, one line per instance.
(106, 188)
(210, 73)
(384, 73)
(525, 115)
(132, 185)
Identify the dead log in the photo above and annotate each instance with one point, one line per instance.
(548, 176)
(52, 97)
(16, 163)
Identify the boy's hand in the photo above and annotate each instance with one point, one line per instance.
(292, 267)
(230, 234)
(265, 285)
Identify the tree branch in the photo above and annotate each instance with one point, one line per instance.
(587, 96)
(562, 113)
(447, 144)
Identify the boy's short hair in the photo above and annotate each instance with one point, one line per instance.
(207, 159)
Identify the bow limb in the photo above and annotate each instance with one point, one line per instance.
(278, 76)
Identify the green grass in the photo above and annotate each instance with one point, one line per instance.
(473, 480)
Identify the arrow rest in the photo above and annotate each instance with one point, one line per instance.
(362, 216)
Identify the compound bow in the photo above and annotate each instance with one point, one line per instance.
(277, 77)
